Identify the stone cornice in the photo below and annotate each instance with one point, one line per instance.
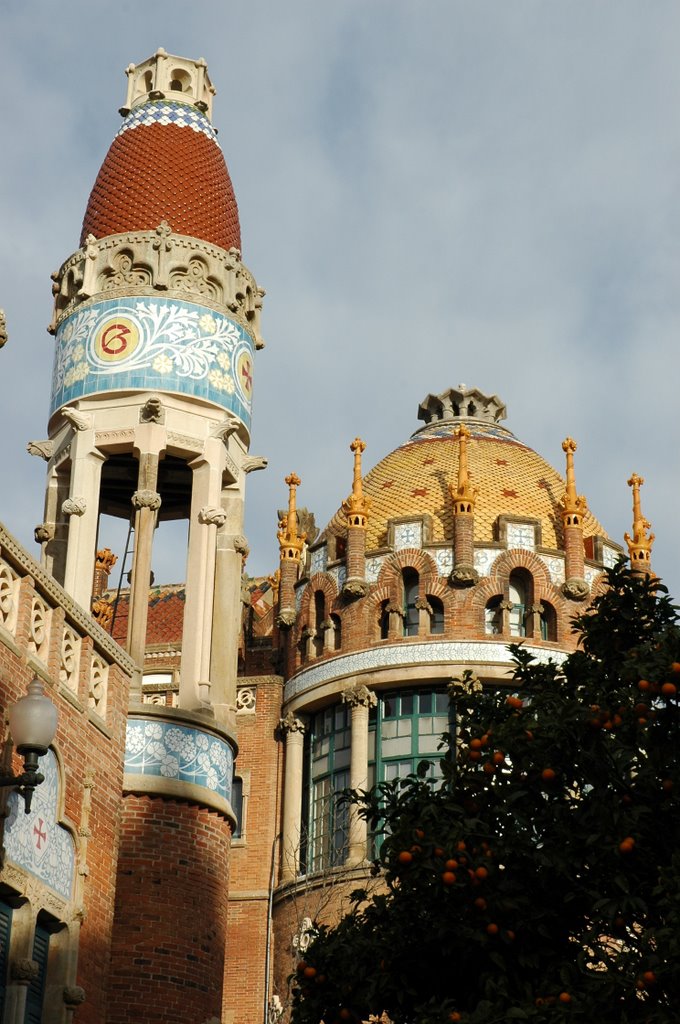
(78, 616)
(149, 262)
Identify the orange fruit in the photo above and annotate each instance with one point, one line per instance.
(405, 857)
(675, 666)
(514, 702)
(448, 878)
(644, 685)
(548, 774)
(669, 689)
(309, 972)
(489, 768)
(451, 865)
(626, 845)
(480, 903)
(482, 872)
(492, 929)
(649, 977)
(564, 997)
(476, 744)
(475, 755)
(419, 833)
(455, 1016)
(667, 785)
(498, 757)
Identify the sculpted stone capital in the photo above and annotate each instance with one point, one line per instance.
(78, 420)
(74, 507)
(146, 499)
(74, 995)
(254, 462)
(359, 696)
(43, 449)
(355, 588)
(286, 618)
(576, 589)
(23, 970)
(210, 515)
(43, 532)
(291, 724)
(463, 576)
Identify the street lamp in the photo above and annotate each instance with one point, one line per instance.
(32, 724)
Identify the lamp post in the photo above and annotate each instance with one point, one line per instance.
(32, 724)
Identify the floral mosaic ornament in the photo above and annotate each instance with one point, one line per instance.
(36, 841)
(179, 752)
(161, 345)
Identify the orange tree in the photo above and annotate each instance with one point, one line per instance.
(540, 880)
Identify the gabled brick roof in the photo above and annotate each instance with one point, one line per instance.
(166, 615)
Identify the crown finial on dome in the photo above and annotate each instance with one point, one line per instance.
(165, 76)
(464, 494)
(574, 505)
(356, 506)
(640, 544)
(291, 542)
(461, 403)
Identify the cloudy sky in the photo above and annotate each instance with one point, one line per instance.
(431, 193)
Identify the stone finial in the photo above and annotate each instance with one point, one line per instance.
(464, 494)
(640, 544)
(3, 329)
(461, 403)
(357, 505)
(290, 542)
(274, 582)
(574, 505)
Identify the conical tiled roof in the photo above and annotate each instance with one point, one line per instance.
(165, 165)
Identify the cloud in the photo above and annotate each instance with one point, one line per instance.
(431, 193)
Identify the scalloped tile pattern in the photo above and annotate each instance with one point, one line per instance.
(163, 166)
(512, 480)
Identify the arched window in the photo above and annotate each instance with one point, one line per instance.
(383, 620)
(337, 632)
(519, 594)
(436, 615)
(411, 613)
(329, 756)
(548, 622)
(319, 618)
(493, 616)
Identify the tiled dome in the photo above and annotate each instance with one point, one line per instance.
(512, 479)
(165, 164)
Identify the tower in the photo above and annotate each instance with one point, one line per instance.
(156, 321)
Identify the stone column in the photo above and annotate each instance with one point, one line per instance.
(361, 700)
(231, 549)
(294, 732)
(146, 502)
(206, 517)
(81, 508)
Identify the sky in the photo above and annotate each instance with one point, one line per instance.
(432, 193)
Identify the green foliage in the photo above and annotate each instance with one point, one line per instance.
(541, 880)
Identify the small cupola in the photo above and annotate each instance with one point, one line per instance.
(166, 77)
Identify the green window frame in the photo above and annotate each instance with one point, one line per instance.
(328, 761)
(405, 728)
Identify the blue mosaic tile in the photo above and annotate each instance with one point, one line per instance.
(167, 112)
(36, 841)
(179, 752)
(153, 345)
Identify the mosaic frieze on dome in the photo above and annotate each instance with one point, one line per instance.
(160, 344)
(148, 262)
